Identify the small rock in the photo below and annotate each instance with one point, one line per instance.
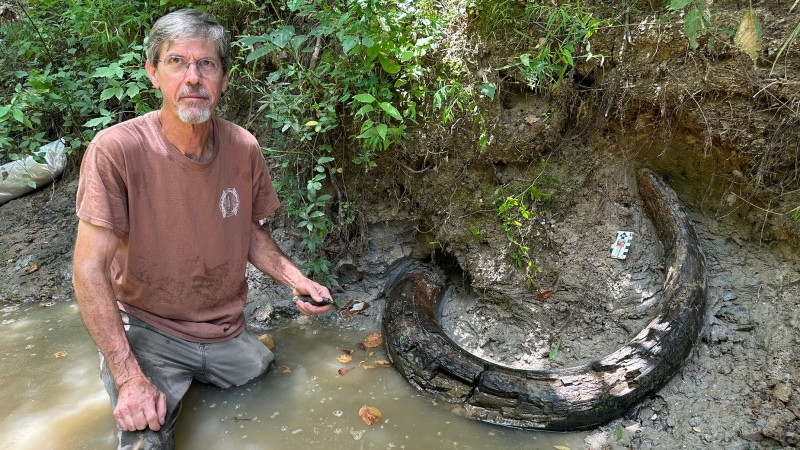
(728, 296)
(782, 392)
(597, 441)
(633, 428)
(776, 424)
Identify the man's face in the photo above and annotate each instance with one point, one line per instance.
(191, 95)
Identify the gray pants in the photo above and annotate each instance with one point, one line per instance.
(172, 363)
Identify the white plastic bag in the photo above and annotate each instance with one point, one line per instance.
(15, 175)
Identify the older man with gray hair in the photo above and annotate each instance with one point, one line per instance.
(170, 207)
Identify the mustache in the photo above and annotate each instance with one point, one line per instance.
(194, 90)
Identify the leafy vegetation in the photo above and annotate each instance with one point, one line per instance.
(335, 84)
(553, 36)
(517, 214)
(554, 352)
(329, 73)
(76, 67)
(697, 20)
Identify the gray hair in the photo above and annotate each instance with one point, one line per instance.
(188, 24)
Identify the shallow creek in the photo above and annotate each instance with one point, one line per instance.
(52, 398)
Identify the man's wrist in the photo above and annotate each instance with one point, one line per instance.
(128, 380)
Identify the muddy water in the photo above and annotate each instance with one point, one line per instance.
(53, 400)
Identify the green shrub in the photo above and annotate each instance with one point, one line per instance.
(330, 73)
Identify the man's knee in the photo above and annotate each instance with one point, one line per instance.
(239, 360)
(255, 361)
(146, 440)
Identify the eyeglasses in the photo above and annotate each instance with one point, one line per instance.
(178, 65)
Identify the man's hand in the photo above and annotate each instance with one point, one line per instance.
(270, 259)
(140, 405)
(316, 291)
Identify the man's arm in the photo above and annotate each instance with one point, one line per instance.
(270, 259)
(140, 404)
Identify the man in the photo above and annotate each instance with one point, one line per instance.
(169, 206)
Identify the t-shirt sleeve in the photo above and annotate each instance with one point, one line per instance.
(265, 199)
(102, 197)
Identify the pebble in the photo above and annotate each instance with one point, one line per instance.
(694, 421)
(782, 392)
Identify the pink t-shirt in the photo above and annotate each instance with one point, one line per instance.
(184, 226)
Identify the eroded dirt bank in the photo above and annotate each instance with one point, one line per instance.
(739, 388)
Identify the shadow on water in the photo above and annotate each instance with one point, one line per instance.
(55, 400)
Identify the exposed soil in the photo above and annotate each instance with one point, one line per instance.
(722, 132)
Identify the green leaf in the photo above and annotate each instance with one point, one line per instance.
(488, 89)
(554, 351)
(786, 43)
(247, 41)
(282, 36)
(298, 41)
(16, 113)
(525, 59)
(111, 92)
(389, 65)
(692, 24)
(382, 129)
(326, 160)
(367, 41)
(390, 110)
(364, 98)
(294, 5)
(406, 55)
(113, 70)
(258, 53)
(678, 4)
(133, 90)
(98, 122)
(424, 42)
(367, 134)
(373, 51)
(348, 43)
(567, 57)
(4, 111)
(364, 110)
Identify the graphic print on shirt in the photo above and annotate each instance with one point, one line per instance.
(229, 202)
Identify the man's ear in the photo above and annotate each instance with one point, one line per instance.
(151, 73)
(225, 79)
